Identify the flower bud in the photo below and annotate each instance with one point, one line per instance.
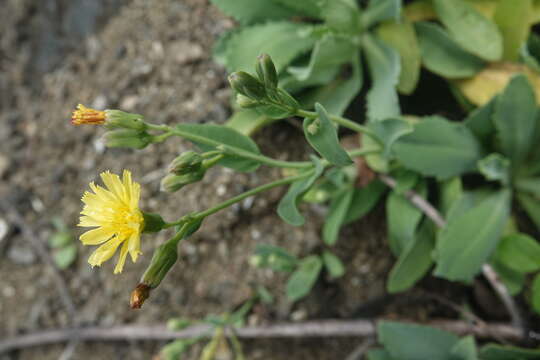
(266, 71)
(247, 85)
(152, 222)
(187, 162)
(245, 102)
(173, 182)
(139, 295)
(163, 259)
(117, 119)
(127, 139)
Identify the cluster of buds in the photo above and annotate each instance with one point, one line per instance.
(188, 168)
(125, 129)
(261, 92)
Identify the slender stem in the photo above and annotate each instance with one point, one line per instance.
(249, 193)
(489, 273)
(338, 120)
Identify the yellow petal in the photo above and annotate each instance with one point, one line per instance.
(127, 184)
(134, 246)
(96, 236)
(104, 252)
(122, 259)
(88, 221)
(113, 183)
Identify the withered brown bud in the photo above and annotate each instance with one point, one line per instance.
(139, 295)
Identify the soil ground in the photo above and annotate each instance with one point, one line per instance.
(152, 58)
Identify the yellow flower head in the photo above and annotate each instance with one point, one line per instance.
(116, 214)
(84, 115)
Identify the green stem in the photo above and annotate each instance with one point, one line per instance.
(249, 193)
(338, 120)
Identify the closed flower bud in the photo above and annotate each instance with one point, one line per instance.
(127, 139)
(117, 119)
(163, 259)
(245, 102)
(186, 163)
(139, 296)
(247, 85)
(173, 182)
(266, 71)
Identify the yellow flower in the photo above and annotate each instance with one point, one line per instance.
(84, 115)
(116, 214)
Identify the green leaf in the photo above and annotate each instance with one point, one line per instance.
(480, 122)
(248, 121)
(337, 94)
(303, 279)
(531, 205)
(500, 352)
(322, 136)
(273, 257)
(336, 216)
(381, 10)
(288, 206)
(495, 167)
(402, 37)
(441, 55)
(515, 118)
(511, 16)
(341, 15)
(283, 41)
(450, 191)
(60, 239)
(364, 199)
(470, 29)
(405, 180)
(529, 185)
(519, 252)
(415, 342)
(465, 349)
(217, 134)
(438, 148)
(333, 264)
(307, 7)
(329, 52)
(378, 354)
(388, 131)
(252, 11)
(535, 299)
(65, 256)
(384, 67)
(512, 279)
(402, 218)
(414, 261)
(470, 237)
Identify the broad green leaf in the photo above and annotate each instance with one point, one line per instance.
(470, 29)
(414, 261)
(283, 41)
(438, 148)
(248, 121)
(500, 352)
(333, 264)
(519, 252)
(450, 191)
(402, 218)
(252, 11)
(388, 131)
(329, 52)
(341, 15)
(336, 216)
(441, 54)
(65, 256)
(512, 17)
(322, 136)
(515, 118)
(305, 276)
(415, 342)
(364, 199)
(469, 238)
(465, 349)
(481, 124)
(402, 37)
(202, 134)
(175, 350)
(60, 239)
(384, 67)
(531, 205)
(530, 52)
(337, 94)
(307, 7)
(495, 167)
(512, 279)
(381, 10)
(322, 77)
(529, 185)
(379, 354)
(273, 257)
(288, 206)
(535, 299)
(405, 180)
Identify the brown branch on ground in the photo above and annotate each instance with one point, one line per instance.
(309, 329)
(489, 273)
